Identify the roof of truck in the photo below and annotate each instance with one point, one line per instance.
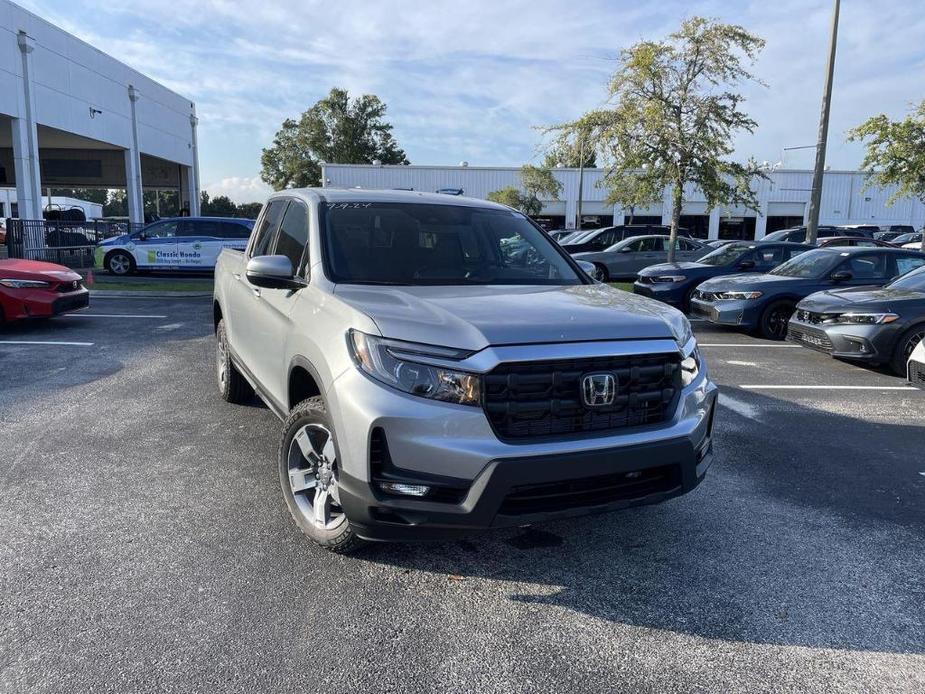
(375, 195)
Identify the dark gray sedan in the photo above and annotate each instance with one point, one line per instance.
(876, 325)
(626, 258)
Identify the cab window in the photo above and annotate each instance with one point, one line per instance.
(293, 235)
(768, 257)
(864, 267)
(266, 229)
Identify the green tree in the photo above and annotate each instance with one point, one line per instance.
(335, 130)
(116, 204)
(569, 152)
(673, 115)
(535, 182)
(895, 154)
(97, 195)
(249, 210)
(219, 206)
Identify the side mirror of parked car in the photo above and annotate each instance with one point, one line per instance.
(272, 272)
(842, 276)
(746, 264)
(626, 249)
(588, 268)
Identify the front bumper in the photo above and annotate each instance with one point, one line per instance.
(737, 312)
(672, 294)
(871, 343)
(504, 484)
(42, 303)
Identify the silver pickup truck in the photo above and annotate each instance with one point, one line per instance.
(441, 367)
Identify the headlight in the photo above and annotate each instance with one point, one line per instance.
(690, 367)
(738, 295)
(24, 284)
(680, 328)
(391, 362)
(863, 318)
(669, 278)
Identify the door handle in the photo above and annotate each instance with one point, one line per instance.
(256, 291)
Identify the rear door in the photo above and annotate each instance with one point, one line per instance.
(199, 242)
(867, 269)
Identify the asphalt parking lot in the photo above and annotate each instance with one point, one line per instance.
(144, 545)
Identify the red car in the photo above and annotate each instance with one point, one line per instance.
(32, 289)
(855, 241)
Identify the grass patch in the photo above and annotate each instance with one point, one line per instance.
(153, 286)
(625, 286)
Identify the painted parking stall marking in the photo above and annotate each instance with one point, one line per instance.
(115, 315)
(46, 342)
(823, 387)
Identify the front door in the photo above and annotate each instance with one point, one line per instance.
(155, 246)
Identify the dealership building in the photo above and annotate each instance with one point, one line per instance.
(73, 117)
(783, 198)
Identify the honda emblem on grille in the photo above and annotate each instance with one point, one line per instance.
(598, 390)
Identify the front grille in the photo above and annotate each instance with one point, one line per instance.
(525, 400)
(66, 287)
(814, 339)
(70, 303)
(590, 491)
(813, 318)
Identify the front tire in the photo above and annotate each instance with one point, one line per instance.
(120, 263)
(601, 273)
(774, 320)
(309, 474)
(907, 342)
(231, 384)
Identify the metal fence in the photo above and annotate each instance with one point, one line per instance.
(66, 243)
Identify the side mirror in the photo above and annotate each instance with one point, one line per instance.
(588, 268)
(626, 249)
(272, 272)
(842, 276)
(746, 264)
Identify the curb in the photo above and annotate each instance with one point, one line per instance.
(120, 294)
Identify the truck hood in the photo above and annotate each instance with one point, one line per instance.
(474, 317)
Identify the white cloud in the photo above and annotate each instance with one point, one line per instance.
(240, 188)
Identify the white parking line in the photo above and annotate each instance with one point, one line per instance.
(113, 315)
(46, 342)
(742, 344)
(825, 387)
(738, 406)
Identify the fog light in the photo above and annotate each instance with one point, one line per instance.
(405, 489)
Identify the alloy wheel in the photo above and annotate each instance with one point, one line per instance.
(119, 264)
(313, 472)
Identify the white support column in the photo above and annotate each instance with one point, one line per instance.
(713, 229)
(666, 206)
(193, 172)
(761, 221)
(571, 209)
(618, 215)
(26, 140)
(133, 184)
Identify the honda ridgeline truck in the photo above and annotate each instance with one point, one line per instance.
(442, 366)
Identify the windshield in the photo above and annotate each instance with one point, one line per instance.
(783, 235)
(907, 238)
(914, 280)
(812, 264)
(725, 255)
(419, 244)
(581, 236)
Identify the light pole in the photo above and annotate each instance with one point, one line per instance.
(581, 177)
(815, 197)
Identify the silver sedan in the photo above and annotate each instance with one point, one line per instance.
(626, 258)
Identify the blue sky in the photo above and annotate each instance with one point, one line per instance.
(470, 80)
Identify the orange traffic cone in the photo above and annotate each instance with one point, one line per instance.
(89, 280)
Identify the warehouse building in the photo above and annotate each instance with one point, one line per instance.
(73, 117)
(783, 198)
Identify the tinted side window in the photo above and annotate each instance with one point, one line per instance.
(200, 227)
(908, 262)
(233, 230)
(293, 234)
(867, 266)
(268, 225)
(769, 257)
(161, 230)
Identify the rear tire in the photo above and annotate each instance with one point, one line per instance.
(773, 325)
(308, 475)
(231, 384)
(907, 342)
(119, 263)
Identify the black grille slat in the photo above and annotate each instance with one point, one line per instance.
(543, 399)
